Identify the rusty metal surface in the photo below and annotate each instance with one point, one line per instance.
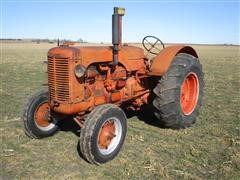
(63, 85)
(64, 52)
(113, 88)
(162, 61)
(71, 95)
(89, 55)
(58, 79)
(102, 84)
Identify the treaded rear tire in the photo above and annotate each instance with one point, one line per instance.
(166, 104)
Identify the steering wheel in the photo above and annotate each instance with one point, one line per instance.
(152, 41)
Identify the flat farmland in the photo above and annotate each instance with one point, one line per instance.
(209, 149)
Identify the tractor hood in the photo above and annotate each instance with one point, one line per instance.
(96, 54)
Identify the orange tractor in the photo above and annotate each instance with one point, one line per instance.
(92, 84)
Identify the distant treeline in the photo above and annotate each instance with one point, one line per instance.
(43, 40)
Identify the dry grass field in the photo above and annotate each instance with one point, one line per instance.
(209, 149)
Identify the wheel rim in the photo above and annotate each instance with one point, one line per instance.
(189, 93)
(109, 136)
(42, 117)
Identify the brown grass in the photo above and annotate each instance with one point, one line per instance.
(210, 149)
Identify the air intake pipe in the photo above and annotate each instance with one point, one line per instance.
(117, 32)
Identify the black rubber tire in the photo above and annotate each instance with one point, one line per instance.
(166, 103)
(89, 133)
(31, 129)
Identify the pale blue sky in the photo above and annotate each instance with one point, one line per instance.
(201, 21)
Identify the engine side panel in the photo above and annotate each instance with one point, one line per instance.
(101, 84)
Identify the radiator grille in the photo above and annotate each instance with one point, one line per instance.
(58, 79)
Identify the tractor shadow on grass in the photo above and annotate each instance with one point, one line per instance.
(145, 114)
(68, 124)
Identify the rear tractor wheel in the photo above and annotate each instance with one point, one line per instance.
(38, 120)
(178, 94)
(103, 134)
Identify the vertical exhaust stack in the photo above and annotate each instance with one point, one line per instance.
(117, 32)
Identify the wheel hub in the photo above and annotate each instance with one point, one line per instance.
(42, 115)
(106, 134)
(189, 93)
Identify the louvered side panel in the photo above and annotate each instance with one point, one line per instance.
(58, 79)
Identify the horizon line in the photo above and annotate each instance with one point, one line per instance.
(101, 42)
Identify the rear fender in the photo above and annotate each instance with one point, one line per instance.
(162, 61)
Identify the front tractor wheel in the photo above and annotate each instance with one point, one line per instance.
(178, 94)
(38, 120)
(103, 134)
